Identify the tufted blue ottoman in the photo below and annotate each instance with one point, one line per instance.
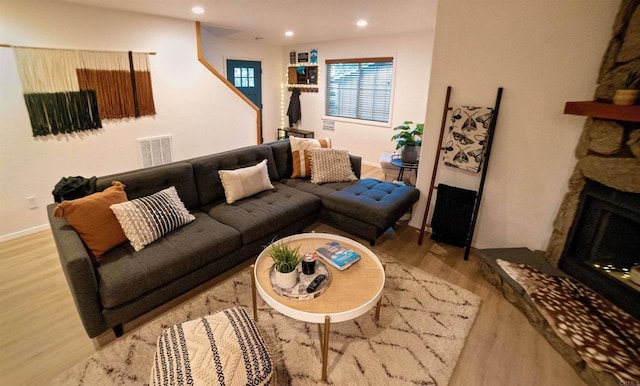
(221, 349)
(369, 207)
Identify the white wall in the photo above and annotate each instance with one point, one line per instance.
(543, 53)
(202, 114)
(216, 50)
(412, 64)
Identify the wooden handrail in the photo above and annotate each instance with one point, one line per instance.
(224, 80)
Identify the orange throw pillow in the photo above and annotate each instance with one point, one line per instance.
(94, 221)
(300, 153)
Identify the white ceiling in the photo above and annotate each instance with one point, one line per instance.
(310, 20)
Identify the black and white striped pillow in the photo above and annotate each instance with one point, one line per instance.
(146, 219)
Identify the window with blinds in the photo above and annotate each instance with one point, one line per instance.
(359, 88)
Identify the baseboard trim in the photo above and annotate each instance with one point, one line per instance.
(374, 164)
(24, 232)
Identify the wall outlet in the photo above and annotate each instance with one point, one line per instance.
(33, 204)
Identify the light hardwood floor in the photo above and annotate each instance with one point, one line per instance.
(41, 334)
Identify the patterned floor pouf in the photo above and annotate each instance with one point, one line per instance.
(221, 349)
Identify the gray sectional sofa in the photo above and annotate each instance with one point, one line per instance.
(126, 284)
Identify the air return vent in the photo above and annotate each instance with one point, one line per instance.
(155, 150)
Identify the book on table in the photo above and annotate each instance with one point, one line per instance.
(337, 255)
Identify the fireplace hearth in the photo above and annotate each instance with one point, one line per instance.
(604, 244)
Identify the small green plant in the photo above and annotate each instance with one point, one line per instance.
(408, 134)
(632, 81)
(285, 258)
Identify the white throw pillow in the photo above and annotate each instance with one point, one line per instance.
(245, 182)
(146, 219)
(330, 165)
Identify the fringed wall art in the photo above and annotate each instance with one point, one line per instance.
(68, 91)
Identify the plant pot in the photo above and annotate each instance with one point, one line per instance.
(286, 280)
(410, 154)
(625, 97)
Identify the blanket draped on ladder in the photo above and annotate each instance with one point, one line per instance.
(465, 144)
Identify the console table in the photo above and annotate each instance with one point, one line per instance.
(285, 132)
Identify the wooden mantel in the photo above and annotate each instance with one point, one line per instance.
(604, 110)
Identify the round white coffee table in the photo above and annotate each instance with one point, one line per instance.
(351, 292)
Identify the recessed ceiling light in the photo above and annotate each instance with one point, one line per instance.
(288, 33)
(197, 10)
(362, 23)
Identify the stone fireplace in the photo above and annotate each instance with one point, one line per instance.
(596, 234)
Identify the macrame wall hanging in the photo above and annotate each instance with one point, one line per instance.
(68, 91)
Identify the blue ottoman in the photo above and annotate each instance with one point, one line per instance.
(369, 207)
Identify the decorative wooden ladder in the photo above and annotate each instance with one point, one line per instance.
(485, 164)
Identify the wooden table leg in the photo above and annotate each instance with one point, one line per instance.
(253, 293)
(384, 267)
(325, 347)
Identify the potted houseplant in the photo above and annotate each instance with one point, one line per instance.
(628, 94)
(285, 261)
(409, 138)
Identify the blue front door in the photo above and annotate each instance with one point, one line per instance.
(246, 75)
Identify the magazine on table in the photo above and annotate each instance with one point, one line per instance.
(337, 255)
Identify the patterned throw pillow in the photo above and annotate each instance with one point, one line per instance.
(245, 182)
(95, 223)
(330, 165)
(225, 348)
(146, 219)
(300, 153)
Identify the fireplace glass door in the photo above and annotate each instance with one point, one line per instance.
(604, 244)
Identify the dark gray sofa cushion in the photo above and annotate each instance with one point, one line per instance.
(145, 182)
(379, 203)
(267, 212)
(123, 274)
(283, 160)
(320, 190)
(205, 170)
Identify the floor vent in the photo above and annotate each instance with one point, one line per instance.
(156, 150)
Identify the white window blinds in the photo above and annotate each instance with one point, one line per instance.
(359, 88)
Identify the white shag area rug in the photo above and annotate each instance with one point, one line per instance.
(424, 322)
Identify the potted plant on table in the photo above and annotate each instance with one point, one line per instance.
(285, 261)
(628, 94)
(409, 138)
